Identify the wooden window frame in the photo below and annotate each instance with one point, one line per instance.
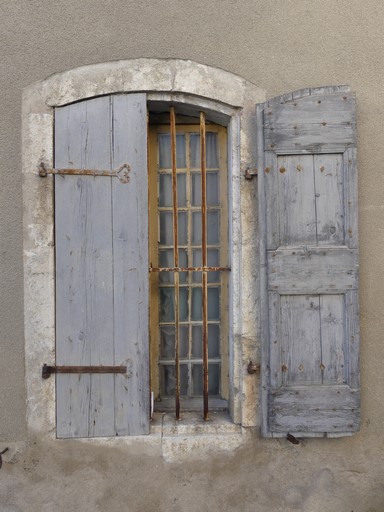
(154, 130)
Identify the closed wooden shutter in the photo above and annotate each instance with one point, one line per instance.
(102, 267)
(309, 263)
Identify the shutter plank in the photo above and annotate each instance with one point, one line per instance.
(99, 286)
(130, 242)
(83, 247)
(329, 183)
(72, 392)
(332, 316)
(300, 343)
(296, 200)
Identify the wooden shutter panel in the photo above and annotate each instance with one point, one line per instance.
(309, 263)
(102, 267)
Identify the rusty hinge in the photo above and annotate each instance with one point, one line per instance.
(122, 173)
(48, 370)
(250, 173)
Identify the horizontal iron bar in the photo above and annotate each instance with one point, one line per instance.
(187, 269)
(48, 370)
(122, 173)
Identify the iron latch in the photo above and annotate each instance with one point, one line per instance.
(48, 370)
(250, 172)
(122, 172)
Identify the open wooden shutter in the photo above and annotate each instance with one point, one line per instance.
(309, 263)
(102, 267)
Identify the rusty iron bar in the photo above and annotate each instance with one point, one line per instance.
(2, 453)
(204, 259)
(48, 370)
(188, 269)
(176, 258)
(122, 172)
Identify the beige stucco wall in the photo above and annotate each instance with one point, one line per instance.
(280, 45)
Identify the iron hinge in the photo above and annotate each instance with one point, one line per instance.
(250, 173)
(48, 370)
(122, 172)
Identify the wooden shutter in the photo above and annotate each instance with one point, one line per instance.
(309, 263)
(102, 267)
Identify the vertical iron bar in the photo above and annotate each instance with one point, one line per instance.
(204, 259)
(176, 258)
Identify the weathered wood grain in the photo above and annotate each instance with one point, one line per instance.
(309, 270)
(303, 409)
(130, 248)
(102, 264)
(311, 123)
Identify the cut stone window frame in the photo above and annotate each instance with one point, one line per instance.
(230, 101)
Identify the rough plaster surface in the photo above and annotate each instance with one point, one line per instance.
(262, 475)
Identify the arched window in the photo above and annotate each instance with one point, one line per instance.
(151, 268)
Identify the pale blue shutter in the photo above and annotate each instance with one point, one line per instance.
(309, 263)
(102, 267)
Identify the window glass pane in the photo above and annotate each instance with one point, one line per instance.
(213, 341)
(165, 190)
(165, 161)
(213, 379)
(211, 151)
(194, 145)
(212, 161)
(167, 305)
(212, 228)
(183, 304)
(196, 313)
(183, 237)
(167, 341)
(181, 189)
(168, 380)
(213, 303)
(166, 228)
(196, 228)
(197, 380)
(212, 189)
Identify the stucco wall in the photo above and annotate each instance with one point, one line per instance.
(281, 46)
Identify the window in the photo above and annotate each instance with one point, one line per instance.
(99, 125)
(187, 351)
